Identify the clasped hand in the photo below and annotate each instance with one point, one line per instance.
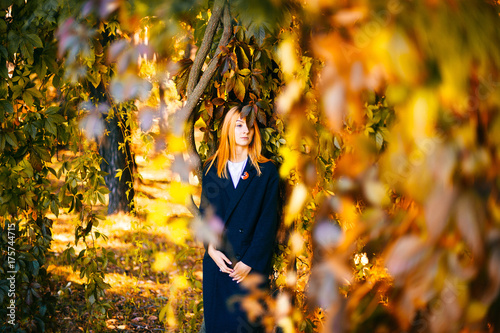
(238, 273)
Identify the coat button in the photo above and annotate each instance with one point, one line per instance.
(238, 257)
(241, 230)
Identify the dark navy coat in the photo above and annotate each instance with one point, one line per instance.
(249, 213)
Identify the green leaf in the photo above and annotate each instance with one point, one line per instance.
(52, 171)
(6, 106)
(41, 69)
(54, 208)
(56, 81)
(3, 27)
(101, 198)
(42, 153)
(35, 92)
(52, 110)
(11, 139)
(50, 126)
(30, 129)
(13, 45)
(27, 168)
(2, 142)
(4, 73)
(16, 92)
(26, 256)
(28, 98)
(34, 40)
(34, 267)
(94, 77)
(244, 72)
(26, 50)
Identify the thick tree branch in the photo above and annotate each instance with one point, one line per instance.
(182, 116)
(206, 44)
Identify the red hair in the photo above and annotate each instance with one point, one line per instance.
(227, 145)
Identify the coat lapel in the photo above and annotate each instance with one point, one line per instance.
(235, 194)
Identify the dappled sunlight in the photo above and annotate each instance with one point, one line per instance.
(381, 116)
(142, 282)
(138, 292)
(152, 171)
(66, 272)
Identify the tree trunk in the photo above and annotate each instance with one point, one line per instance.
(121, 189)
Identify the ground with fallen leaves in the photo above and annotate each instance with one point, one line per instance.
(138, 292)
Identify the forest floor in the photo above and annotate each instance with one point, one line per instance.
(138, 293)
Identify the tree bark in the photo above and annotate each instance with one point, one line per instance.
(121, 190)
(205, 46)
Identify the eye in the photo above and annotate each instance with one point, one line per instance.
(239, 125)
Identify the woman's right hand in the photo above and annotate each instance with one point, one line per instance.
(220, 259)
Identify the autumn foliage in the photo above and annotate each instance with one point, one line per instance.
(382, 115)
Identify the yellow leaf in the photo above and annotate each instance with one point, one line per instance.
(288, 56)
(348, 214)
(167, 315)
(163, 261)
(178, 231)
(180, 282)
(175, 144)
(281, 281)
(156, 215)
(297, 200)
(160, 162)
(289, 96)
(290, 160)
(422, 115)
(476, 311)
(200, 123)
(179, 192)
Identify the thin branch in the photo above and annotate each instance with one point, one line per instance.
(193, 209)
(206, 44)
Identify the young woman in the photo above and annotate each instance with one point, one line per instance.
(241, 187)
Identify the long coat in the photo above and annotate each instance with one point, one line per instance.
(249, 213)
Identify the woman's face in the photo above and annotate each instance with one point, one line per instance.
(243, 136)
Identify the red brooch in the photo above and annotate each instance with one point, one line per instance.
(245, 175)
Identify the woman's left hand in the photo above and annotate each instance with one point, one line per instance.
(240, 271)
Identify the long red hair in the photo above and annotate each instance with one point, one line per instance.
(227, 145)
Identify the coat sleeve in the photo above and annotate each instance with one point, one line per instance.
(259, 253)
